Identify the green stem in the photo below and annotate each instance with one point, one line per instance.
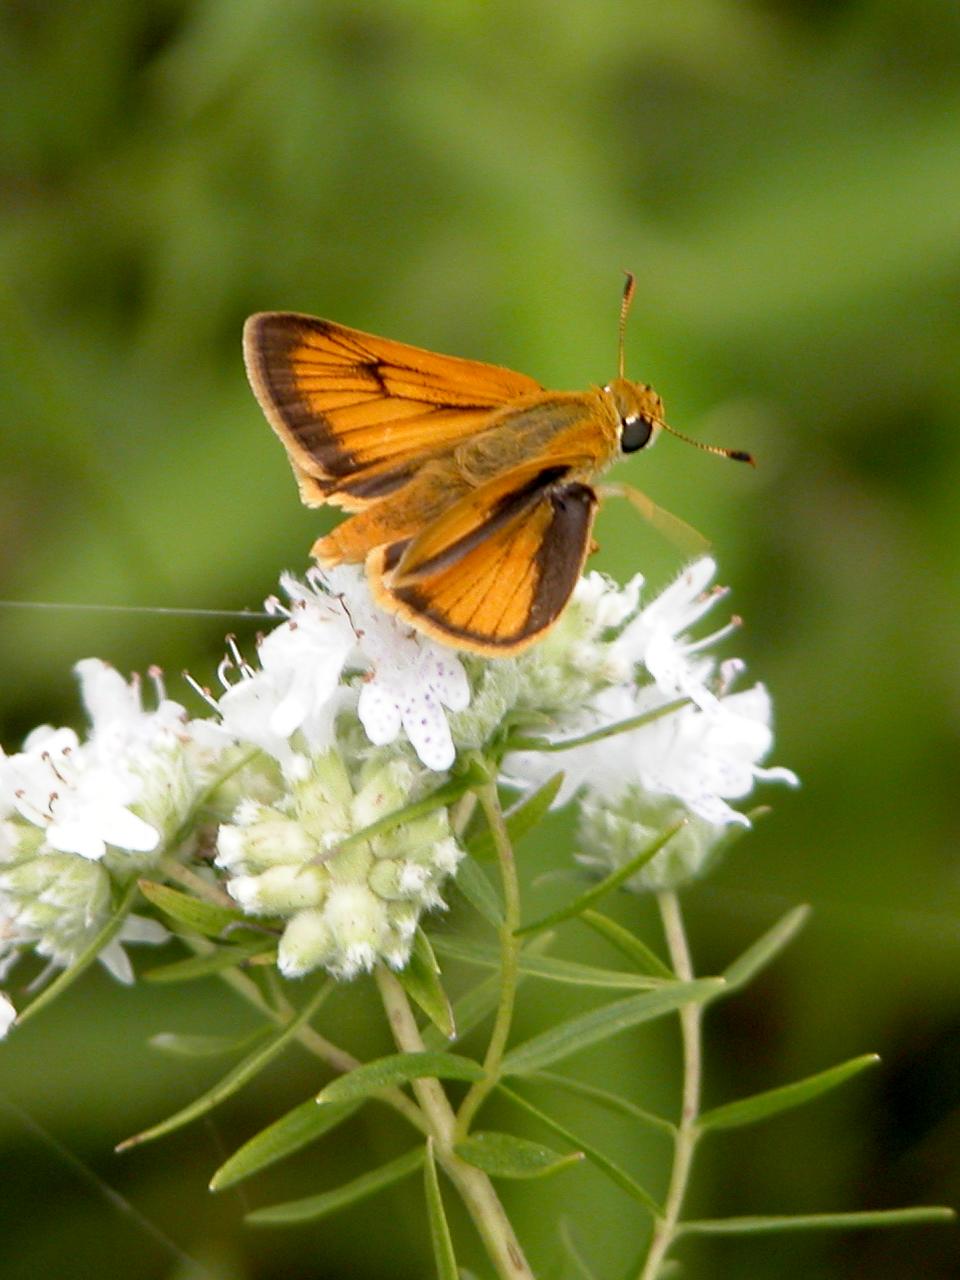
(666, 1229)
(475, 1188)
(510, 946)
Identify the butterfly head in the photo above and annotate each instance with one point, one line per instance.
(639, 413)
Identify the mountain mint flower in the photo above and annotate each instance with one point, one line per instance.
(56, 903)
(346, 717)
(336, 650)
(343, 906)
(685, 763)
(7, 1015)
(80, 800)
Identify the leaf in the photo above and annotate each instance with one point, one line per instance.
(573, 1251)
(765, 949)
(440, 798)
(421, 981)
(399, 1068)
(236, 1078)
(612, 1101)
(302, 1125)
(479, 892)
(202, 966)
(815, 1221)
(522, 818)
(598, 1024)
(477, 1003)
(202, 1046)
(208, 918)
(628, 943)
(328, 1202)
(468, 1012)
(443, 1253)
(520, 743)
(770, 1103)
(549, 967)
(503, 1156)
(618, 1176)
(612, 881)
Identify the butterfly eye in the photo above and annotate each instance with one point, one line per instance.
(635, 432)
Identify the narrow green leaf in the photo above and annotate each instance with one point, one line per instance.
(765, 949)
(598, 1024)
(292, 1131)
(604, 1098)
(478, 1003)
(202, 966)
(520, 743)
(574, 1252)
(468, 1012)
(628, 943)
(770, 1103)
(203, 917)
(421, 981)
(613, 1171)
(548, 967)
(504, 1156)
(520, 819)
(612, 881)
(479, 892)
(816, 1221)
(399, 1068)
(202, 1046)
(236, 1078)
(312, 1207)
(440, 798)
(440, 1237)
(84, 960)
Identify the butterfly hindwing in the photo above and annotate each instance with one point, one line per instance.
(496, 570)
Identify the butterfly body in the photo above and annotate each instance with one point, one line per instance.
(469, 485)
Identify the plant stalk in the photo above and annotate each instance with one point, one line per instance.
(510, 946)
(475, 1188)
(687, 1134)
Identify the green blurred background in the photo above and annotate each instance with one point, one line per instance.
(784, 178)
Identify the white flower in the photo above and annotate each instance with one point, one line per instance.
(119, 725)
(691, 761)
(411, 682)
(409, 678)
(297, 689)
(657, 639)
(343, 905)
(8, 1015)
(78, 797)
(702, 757)
(332, 627)
(134, 929)
(127, 785)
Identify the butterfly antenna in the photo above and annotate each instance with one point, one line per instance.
(629, 289)
(737, 455)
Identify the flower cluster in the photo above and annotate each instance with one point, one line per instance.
(348, 717)
(693, 746)
(81, 817)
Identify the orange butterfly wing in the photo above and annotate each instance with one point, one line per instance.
(360, 414)
(496, 570)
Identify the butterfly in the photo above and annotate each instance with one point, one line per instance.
(469, 486)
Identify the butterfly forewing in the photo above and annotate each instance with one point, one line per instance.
(358, 413)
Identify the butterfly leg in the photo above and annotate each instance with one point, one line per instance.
(670, 526)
